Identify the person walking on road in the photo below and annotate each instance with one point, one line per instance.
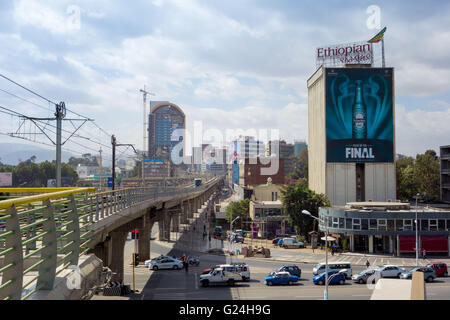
(185, 264)
(367, 264)
(424, 254)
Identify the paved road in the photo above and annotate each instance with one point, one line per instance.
(179, 285)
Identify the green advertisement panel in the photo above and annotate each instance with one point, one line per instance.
(359, 115)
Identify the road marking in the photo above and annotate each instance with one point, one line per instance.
(359, 261)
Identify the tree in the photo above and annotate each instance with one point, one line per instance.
(427, 174)
(297, 197)
(406, 184)
(238, 209)
(300, 163)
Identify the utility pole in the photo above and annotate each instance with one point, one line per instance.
(59, 114)
(114, 145)
(113, 142)
(144, 129)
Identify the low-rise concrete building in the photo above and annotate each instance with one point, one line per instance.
(388, 227)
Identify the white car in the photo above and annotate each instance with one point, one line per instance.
(390, 271)
(147, 262)
(165, 263)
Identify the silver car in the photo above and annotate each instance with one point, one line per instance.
(166, 263)
(428, 273)
(390, 271)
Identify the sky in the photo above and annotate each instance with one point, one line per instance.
(228, 64)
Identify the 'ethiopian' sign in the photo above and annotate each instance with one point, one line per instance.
(359, 114)
(342, 54)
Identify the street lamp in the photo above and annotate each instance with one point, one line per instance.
(325, 294)
(231, 224)
(417, 233)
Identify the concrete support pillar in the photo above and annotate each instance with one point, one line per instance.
(448, 244)
(398, 246)
(164, 225)
(190, 208)
(144, 239)
(391, 244)
(118, 239)
(103, 251)
(371, 244)
(183, 213)
(175, 222)
(352, 242)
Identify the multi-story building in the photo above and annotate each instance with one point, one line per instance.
(299, 146)
(387, 227)
(164, 119)
(253, 172)
(266, 211)
(445, 173)
(351, 147)
(284, 151)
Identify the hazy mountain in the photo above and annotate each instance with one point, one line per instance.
(13, 153)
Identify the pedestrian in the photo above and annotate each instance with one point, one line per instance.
(184, 259)
(424, 254)
(204, 235)
(367, 264)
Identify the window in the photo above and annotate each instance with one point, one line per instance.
(399, 225)
(341, 223)
(335, 222)
(390, 225)
(330, 222)
(407, 225)
(356, 224)
(382, 225)
(441, 225)
(364, 224)
(373, 224)
(348, 223)
(424, 225)
(433, 225)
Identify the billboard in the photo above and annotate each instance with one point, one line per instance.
(235, 176)
(5, 179)
(342, 54)
(359, 115)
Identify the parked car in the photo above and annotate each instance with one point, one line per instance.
(363, 276)
(390, 271)
(428, 273)
(292, 243)
(334, 277)
(439, 268)
(292, 269)
(167, 263)
(282, 277)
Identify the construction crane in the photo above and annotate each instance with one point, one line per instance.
(144, 145)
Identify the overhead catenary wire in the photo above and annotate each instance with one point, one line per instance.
(14, 113)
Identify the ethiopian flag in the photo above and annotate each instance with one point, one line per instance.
(378, 36)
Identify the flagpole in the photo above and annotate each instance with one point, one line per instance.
(382, 52)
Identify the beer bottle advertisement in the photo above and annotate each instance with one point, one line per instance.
(359, 115)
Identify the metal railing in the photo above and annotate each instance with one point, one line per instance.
(44, 231)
